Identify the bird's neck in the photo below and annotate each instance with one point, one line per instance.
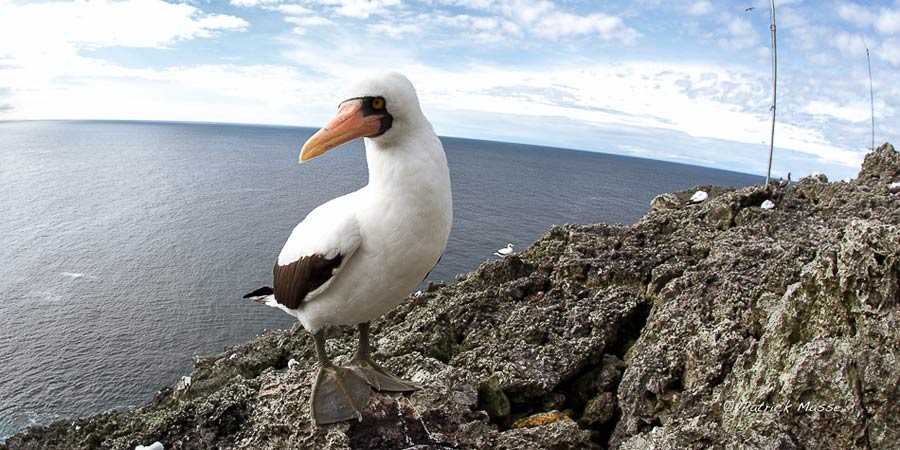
(416, 162)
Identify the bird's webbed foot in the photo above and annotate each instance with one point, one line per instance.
(380, 378)
(339, 394)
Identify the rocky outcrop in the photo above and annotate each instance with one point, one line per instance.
(711, 325)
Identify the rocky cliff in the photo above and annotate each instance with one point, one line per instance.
(711, 325)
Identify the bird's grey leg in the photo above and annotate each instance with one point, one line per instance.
(377, 376)
(339, 393)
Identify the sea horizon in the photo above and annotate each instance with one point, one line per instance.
(311, 127)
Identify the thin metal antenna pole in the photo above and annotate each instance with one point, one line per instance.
(774, 86)
(871, 93)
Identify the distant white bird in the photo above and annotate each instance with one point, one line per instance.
(894, 187)
(185, 383)
(699, 197)
(358, 256)
(767, 205)
(154, 446)
(505, 251)
(293, 362)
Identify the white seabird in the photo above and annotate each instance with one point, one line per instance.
(699, 197)
(154, 446)
(505, 251)
(768, 204)
(358, 256)
(894, 187)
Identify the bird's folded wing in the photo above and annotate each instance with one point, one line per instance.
(315, 252)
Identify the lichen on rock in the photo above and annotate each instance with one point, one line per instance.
(711, 325)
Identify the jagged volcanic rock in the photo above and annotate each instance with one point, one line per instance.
(715, 325)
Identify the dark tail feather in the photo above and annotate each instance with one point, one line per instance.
(261, 292)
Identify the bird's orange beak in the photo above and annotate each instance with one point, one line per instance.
(348, 124)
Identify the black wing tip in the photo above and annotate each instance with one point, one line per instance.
(261, 292)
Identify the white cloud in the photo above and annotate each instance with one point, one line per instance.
(886, 21)
(471, 4)
(822, 59)
(856, 112)
(848, 44)
(308, 21)
(889, 51)
(699, 8)
(360, 9)
(212, 22)
(790, 18)
(292, 9)
(305, 22)
(540, 18)
(558, 24)
(395, 31)
(730, 31)
(101, 23)
(801, 34)
(856, 14)
(252, 3)
(218, 93)
(503, 19)
(47, 47)
(479, 29)
(525, 11)
(739, 33)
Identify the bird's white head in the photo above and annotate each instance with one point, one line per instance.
(382, 107)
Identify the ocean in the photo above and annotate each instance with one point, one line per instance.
(125, 247)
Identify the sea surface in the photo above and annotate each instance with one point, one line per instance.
(125, 246)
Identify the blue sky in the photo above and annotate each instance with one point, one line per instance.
(682, 81)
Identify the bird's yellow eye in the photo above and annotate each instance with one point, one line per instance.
(378, 103)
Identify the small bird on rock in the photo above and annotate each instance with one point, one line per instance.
(699, 197)
(505, 251)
